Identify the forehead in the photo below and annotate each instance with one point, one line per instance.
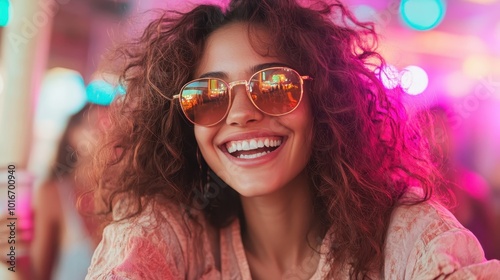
(235, 49)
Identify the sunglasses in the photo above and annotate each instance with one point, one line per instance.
(275, 91)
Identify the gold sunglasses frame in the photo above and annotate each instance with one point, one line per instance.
(246, 83)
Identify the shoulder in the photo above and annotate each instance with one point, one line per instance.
(419, 224)
(422, 221)
(158, 243)
(425, 241)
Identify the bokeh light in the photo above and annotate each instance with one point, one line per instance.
(389, 76)
(102, 93)
(422, 14)
(5, 12)
(62, 93)
(414, 80)
(476, 66)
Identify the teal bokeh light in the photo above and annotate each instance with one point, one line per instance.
(5, 12)
(422, 14)
(102, 93)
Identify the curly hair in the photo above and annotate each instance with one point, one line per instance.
(365, 153)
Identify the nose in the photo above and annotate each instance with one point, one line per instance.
(242, 111)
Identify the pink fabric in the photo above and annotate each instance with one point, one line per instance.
(424, 242)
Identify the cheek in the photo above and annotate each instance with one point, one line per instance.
(202, 135)
(205, 138)
(197, 133)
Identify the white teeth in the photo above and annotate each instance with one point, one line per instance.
(245, 146)
(273, 143)
(252, 144)
(253, 155)
(266, 142)
(260, 144)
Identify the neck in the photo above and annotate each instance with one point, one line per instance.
(280, 228)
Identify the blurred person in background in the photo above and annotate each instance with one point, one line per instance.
(64, 238)
(64, 235)
(475, 208)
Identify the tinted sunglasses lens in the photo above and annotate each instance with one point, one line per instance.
(205, 101)
(276, 91)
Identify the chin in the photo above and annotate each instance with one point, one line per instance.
(255, 188)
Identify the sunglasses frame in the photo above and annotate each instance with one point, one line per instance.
(246, 83)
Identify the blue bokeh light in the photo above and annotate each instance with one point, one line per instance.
(102, 93)
(5, 12)
(422, 14)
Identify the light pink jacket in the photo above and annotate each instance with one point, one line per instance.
(424, 241)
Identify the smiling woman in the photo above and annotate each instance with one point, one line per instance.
(256, 142)
(287, 130)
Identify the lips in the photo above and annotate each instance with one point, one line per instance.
(253, 147)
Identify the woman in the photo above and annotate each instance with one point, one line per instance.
(64, 238)
(256, 142)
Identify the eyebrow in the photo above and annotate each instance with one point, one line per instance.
(253, 69)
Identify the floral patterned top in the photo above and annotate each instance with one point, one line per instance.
(424, 241)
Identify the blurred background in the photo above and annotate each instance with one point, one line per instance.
(444, 54)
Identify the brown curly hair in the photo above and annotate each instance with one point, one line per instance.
(365, 155)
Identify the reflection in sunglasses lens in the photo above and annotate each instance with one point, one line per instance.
(274, 91)
(205, 101)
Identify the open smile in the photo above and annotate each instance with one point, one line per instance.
(254, 147)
